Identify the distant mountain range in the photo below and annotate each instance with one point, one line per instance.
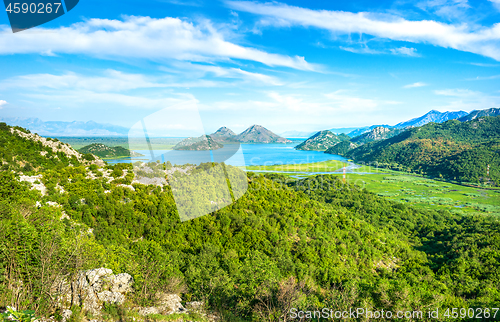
(432, 116)
(297, 134)
(480, 113)
(61, 129)
(94, 129)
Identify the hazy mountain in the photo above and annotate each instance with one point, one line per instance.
(296, 134)
(259, 134)
(480, 113)
(55, 128)
(321, 141)
(432, 116)
(347, 130)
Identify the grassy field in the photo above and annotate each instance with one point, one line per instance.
(325, 166)
(428, 193)
(157, 143)
(403, 187)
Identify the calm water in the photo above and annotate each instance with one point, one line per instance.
(240, 155)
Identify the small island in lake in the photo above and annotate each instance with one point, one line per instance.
(201, 143)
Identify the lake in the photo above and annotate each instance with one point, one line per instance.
(239, 155)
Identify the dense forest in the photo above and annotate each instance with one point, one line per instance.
(452, 150)
(309, 244)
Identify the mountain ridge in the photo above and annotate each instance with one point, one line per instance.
(321, 141)
(432, 116)
(259, 134)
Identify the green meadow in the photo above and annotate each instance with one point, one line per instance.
(325, 166)
(428, 193)
(402, 187)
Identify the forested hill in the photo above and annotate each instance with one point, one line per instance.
(312, 244)
(21, 150)
(453, 150)
(104, 151)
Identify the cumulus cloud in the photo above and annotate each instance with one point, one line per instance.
(417, 84)
(470, 38)
(2, 103)
(141, 37)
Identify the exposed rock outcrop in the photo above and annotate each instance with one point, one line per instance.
(91, 289)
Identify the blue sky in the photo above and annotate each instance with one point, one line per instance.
(287, 65)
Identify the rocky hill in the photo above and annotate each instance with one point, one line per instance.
(21, 150)
(259, 134)
(321, 141)
(202, 143)
(378, 133)
(104, 151)
(223, 134)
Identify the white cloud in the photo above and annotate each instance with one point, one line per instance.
(362, 50)
(464, 37)
(417, 84)
(116, 81)
(450, 9)
(2, 103)
(458, 92)
(111, 81)
(141, 37)
(496, 3)
(405, 51)
(467, 100)
(234, 73)
(300, 111)
(79, 98)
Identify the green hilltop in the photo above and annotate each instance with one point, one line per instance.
(104, 151)
(453, 150)
(321, 141)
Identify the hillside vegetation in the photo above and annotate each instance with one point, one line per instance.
(311, 244)
(104, 151)
(321, 141)
(453, 150)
